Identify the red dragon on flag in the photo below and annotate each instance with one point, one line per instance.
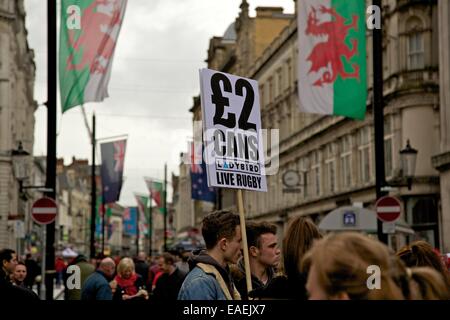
(328, 54)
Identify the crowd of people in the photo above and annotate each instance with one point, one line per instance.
(309, 265)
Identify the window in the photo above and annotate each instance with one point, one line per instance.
(330, 164)
(388, 138)
(415, 44)
(315, 168)
(415, 51)
(346, 161)
(364, 154)
(279, 82)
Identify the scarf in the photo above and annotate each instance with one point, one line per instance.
(127, 285)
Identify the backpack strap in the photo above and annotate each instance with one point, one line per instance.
(212, 270)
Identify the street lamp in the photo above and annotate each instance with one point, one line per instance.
(21, 159)
(408, 158)
(21, 168)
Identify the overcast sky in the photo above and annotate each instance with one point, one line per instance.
(161, 47)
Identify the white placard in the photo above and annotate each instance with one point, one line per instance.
(234, 152)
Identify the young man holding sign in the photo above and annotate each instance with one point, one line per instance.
(209, 278)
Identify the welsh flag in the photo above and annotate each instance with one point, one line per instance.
(88, 36)
(156, 190)
(142, 202)
(332, 57)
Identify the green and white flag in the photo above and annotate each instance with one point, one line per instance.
(332, 57)
(88, 36)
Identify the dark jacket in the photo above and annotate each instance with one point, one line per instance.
(141, 268)
(96, 287)
(86, 269)
(202, 285)
(168, 285)
(10, 292)
(238, 274)
(282, 288)
(33, 270)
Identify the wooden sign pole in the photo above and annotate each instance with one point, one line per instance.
(244, 240)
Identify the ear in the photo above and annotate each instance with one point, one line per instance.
(253, 251)
(223, 244)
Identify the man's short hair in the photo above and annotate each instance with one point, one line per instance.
(218, 225)
(256, 229)
(6, 254)
(168, 258)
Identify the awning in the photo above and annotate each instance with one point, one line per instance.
(350, 218)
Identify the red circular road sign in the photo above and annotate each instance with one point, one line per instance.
(44, 210)
(388, 209)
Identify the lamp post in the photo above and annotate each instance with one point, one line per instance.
(21, 159)
(408, 157)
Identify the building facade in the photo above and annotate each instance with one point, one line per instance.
(17, 106)
(333, 158)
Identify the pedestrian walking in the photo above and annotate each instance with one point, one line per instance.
(86, 269)
(421, 254)
(291, 284)
(264, 257)
(169, 283)
(8, 291)
(209, 278)
(97, 286)
(142, 267)
(128, 285)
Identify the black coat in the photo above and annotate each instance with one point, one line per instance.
(282, 288)
(168, 285)
(10, 292)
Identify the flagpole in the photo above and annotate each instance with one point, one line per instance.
(50, 182)
(103, 224)
(165, 207)
(378, 117)
(93, 192)
(150, 227)
(137, 231)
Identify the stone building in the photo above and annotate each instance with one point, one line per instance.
(17, 106)
(235, 52)
(333, 158)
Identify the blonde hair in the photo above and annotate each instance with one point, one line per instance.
(124, 264)
(341, 262)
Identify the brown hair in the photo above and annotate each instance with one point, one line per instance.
(421, 254)
(298, 240)
(256, 229)
(218, 225)
(168, 258)
(341, 262)
(429, 284)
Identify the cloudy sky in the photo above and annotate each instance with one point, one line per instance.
(161, 46)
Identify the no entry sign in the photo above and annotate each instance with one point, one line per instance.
(388, 209)
(44, 210)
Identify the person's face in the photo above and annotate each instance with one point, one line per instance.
(127, 272)
(10, 265)
(20, 273)
(232, 247)
(268, 254)
(163, 266)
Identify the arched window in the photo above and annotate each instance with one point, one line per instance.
(415, 43)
